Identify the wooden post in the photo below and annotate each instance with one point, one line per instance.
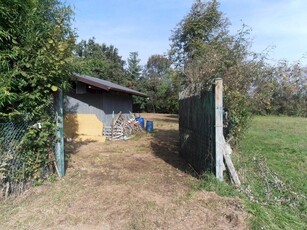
(219, 145)
(59, 148)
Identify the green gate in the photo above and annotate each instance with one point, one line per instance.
(201, 128)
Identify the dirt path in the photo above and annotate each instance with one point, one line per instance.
(135, 184)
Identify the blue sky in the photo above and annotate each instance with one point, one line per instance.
(145, 26)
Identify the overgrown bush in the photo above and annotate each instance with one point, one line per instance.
(36, 42)
(282, 91)
(203, 49)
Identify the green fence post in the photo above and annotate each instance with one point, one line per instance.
(59, 148)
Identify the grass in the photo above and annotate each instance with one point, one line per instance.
(271, 160)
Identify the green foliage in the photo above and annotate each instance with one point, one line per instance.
(202, 28)
(162, 85)
(140, 103)
(27, 159)
(283, 90)
(99, 60)
(290, 90)
(158, 80)
(133, 71)
(36, 42)
(203, 49)
(270, 160)
(53, 178)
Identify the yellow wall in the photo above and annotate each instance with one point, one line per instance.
(83, 127)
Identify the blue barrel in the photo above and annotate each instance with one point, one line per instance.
(149, 126)
(141, 121)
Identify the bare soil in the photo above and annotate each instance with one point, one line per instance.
(141, 183)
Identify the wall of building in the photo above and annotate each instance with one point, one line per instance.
(116, 103)
(84, 104)
(83, 127)
(102, 105)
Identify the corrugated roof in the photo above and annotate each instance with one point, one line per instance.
(106, 85)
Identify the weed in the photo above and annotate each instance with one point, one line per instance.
(53, 178)
(38, 182)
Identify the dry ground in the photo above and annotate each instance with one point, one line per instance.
(137, 184)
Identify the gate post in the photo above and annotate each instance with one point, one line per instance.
(218, 97)
(59, 147)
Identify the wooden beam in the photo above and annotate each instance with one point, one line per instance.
(232, 171)
(219, 129)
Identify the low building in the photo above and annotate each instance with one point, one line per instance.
(91, 104)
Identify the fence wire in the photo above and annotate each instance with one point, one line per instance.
(11, 135)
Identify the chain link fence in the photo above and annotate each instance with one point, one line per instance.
(10, 136)
(11, 164)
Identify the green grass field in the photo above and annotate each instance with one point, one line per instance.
(272, 162)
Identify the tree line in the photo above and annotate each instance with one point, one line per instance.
(39, 50)
(39, 53)
(157, 78)
(202, 48)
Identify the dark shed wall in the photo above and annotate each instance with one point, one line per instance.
(116, 102)
(85, 104)
(102, 105)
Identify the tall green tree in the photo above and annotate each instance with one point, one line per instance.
(134, 70)
(36, 42)
(162, 85)
(99, 60)
(203, 49)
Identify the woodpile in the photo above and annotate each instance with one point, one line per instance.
(122, 127)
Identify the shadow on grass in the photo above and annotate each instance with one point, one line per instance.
(175, 116)
(71, 148)
(165, 145)
(167, 120)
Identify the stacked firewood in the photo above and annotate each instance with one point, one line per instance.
(122, 127)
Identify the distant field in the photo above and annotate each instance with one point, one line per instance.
(272, 163)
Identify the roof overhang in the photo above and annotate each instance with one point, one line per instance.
(106, 85)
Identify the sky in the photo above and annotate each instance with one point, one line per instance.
(278, 27)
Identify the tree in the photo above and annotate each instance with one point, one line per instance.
(36, 45)
(203, 49)
(282, 90)
(162, 85)
(289, 96)
(99, 60)
(36, 42)
(134, 70)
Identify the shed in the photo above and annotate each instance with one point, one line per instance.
(91, 104)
